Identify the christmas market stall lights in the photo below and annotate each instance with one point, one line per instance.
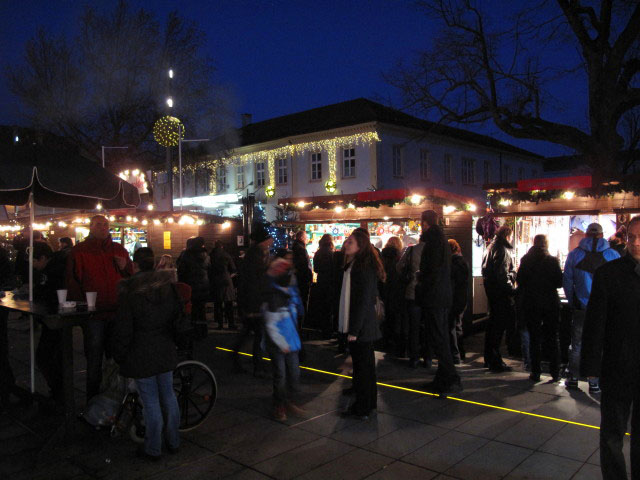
(165, 232)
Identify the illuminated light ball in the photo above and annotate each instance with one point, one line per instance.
(330, 186)
(167, 131)
(270, 191)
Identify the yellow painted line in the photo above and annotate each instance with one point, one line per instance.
(422, 392)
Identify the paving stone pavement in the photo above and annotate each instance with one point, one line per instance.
(411, 436)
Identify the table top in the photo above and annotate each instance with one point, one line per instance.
(52, 315)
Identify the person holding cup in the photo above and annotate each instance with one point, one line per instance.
(97, 265)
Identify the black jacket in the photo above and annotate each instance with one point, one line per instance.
(460, 284)
(392, 293)
(434, 278)
(323, 266)
(301, 264)
(363, 322)
(220, 271)
(539, 278)
(611, 333)
(142, 333)
(252, 281)
(52, 278)
(497, 268)
(192, 270)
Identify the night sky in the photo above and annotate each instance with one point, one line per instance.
(277, 56)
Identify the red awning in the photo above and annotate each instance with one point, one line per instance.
(394, 194)
(554, 183)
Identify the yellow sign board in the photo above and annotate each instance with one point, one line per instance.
(167, 240)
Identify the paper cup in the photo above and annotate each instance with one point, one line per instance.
(62, 296)
(91, 299)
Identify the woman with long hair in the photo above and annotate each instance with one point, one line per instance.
(323, 292)
(357, 318)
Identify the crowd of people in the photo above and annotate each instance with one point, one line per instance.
(424, 289)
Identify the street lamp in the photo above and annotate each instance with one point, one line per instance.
(180, 142)
(103, 147)
(171, 73)
(170, 102)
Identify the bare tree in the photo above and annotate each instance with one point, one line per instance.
(482, 67)
(110, 84)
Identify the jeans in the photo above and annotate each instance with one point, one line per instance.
(160, 410)
(543, 329)
(93, 331)
(502, 317)
(436, 320)
(615, 414)
(577, 322)
(286, 374)
(364, 377)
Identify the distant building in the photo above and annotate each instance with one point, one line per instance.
(356, 146)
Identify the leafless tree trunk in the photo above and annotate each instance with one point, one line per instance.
(481, 70)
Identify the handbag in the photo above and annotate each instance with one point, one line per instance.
(406, 275)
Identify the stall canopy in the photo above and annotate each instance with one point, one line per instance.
(59, 178)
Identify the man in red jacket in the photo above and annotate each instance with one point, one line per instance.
(97, 265)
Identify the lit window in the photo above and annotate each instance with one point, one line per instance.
(240, 177)
(222, 179)
(316, 166)
(283, 171)
(260, 174)
(349, 162)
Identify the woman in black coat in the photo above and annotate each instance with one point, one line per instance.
(142, 342)
(357, 318)
(223, 292)
(323, 291)
(193, 266)
(392, 294)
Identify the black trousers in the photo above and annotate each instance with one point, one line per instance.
(224, 310)
(502, 317)
(364, 377)
(94, 336)
(49, 359)
(437, 322)
(199, 317)
(455, 336)
(615, 414)
(418, 341)
(7, 380)
(543, 338)
(251, 323)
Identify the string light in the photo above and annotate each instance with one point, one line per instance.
(352, 206)
(416, 199)
(505, 202)
(156, 221)
(170, 220)
(471, 207)
(448, 209)
(62, 225)
(112, 218)
(129, 218)
(339, 209)
(301, 204)
(145, 222)
(226, 225)
(167, 131)
(568, 195)
(99, 206)
(150, 207)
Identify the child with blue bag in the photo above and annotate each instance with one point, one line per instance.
(281, 310)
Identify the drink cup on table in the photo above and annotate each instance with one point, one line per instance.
(62, 296)
(91, 299)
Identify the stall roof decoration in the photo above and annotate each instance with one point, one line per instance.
(502, 196)
(376, 199)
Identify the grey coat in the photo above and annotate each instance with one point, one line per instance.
(413, 254)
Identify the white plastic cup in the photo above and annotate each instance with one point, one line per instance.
(91, 299)
(62, 296)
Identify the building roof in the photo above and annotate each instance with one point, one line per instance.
(354, 112)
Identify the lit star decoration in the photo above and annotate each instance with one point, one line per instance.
(269, 157)
(270, 191)
(167, 131)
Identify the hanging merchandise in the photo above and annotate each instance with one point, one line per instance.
(487, 227)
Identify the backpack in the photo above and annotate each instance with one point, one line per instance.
(591, 261)
(407, 274)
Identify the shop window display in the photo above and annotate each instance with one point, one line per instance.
(408, 231)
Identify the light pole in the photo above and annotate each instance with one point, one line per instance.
(103, 147)
(180, 142)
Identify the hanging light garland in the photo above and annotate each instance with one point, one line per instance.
(167, 131)
(269, 157)
(415, 200)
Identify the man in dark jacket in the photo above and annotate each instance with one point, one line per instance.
(610, 342)
(582, 262)
(222, 290)
(499, 278)
(434, 290)
(302, 266)
(251, 287)
(539, 278)
(460, 285)
(193, 270)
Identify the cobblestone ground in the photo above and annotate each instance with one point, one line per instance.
(411, 436)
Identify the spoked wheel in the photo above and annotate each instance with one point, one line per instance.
(196, 390)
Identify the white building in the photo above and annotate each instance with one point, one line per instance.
(346, 148)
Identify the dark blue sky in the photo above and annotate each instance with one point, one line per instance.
(276, 56)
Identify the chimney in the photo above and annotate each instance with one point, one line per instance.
(246, 119)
